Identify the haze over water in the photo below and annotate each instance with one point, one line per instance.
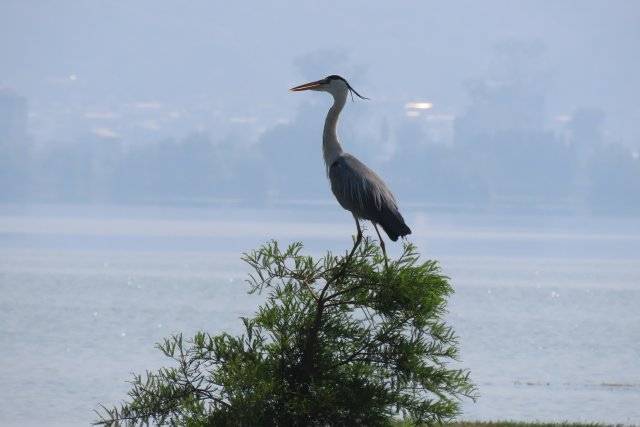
(145, 145)
(546, 307)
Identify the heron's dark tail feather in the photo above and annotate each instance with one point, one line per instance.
(393, 224)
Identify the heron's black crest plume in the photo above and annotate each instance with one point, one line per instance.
(351, 90)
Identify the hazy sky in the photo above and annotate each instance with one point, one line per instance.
(207, 63)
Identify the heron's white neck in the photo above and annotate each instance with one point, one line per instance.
(331, 148)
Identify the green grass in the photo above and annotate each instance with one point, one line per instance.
(520, 424)
(514, 424)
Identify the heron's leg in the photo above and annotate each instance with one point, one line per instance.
(359, 235)
(358, 238)
(345, 262)
(384, 252)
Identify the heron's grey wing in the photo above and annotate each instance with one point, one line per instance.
(358, 188)
(361, 191)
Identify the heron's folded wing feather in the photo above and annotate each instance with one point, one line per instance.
(358, 188)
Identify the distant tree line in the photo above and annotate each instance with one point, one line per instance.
(501, 156)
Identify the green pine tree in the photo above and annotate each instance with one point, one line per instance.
(340, 340)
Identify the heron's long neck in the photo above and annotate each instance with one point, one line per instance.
(331, 148)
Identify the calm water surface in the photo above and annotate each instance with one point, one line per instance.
(546, 307)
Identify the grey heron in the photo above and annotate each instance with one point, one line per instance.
(357, 188)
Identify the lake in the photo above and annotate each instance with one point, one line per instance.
(546, 306)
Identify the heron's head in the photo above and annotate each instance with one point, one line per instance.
(335, 85)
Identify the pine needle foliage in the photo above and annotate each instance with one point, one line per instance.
(340, 340)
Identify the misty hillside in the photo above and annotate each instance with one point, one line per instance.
(528, 108)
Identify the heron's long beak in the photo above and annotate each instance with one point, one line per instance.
(307, 86)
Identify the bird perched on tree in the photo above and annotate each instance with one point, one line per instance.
(357, 188)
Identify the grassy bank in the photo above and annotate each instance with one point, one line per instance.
(520, 424)
(516, 424)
